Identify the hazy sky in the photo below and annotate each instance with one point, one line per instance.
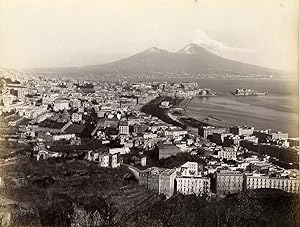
(37, 33)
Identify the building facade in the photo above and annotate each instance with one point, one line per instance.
(188, 185)
(149, 178)
(167, 182)
(228, 182)
(167, 150)
(242, 130)
(123, 128)
(227, 153)
(286, 184)
(205, 131)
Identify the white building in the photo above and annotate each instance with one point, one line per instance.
(63, 137)
(45, 154)
(114, 160)
(175, 133)
(286, 184)
(6, 99)
(189, 169)
(227, 153)
(49, 98)
(32, 111)
(193, 185)
(61, 104)
(75, 103)
(76, 117)
(165, 104)
(120, 150)
(123, 128)
(229, 182)
(104, 160)
(189, 180)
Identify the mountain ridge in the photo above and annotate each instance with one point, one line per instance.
(192, 58)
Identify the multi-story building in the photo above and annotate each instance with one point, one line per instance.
(150, 178)
(246, 139)
(227, 153)
(6, 99)
(228, 182)
(76, 117)
(293, 142)
(49, 98)
(242, 130)
(123, 128)
(167, 182)
(266, 135)
(63, 137)
(140, 128)
(189, 169)
(32, 111)
(174, 133)
(18, 90)
(219, 138)
(104, 160)
(205, 131)
(286, 184)
(190, 181)
(75, 103)
(61, 104)
(193, 185)
(159, 179)
(114, 160)
(166, 150)
(232, 140)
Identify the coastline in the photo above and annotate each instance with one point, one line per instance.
(185, 118)
(257, 111)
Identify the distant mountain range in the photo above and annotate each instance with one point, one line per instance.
(190, 59)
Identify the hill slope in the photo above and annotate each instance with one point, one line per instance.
(191, 59)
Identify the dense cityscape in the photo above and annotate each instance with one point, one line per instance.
(110, 151)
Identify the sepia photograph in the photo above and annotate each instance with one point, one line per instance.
(149, 113)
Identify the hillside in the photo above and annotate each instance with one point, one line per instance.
(192, 59)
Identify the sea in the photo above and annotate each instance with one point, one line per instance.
(277, 111)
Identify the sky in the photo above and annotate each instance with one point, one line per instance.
(48, 33)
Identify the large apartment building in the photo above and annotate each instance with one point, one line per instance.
(229, 182)
(286, 184)
(188, 185)
(205, 131)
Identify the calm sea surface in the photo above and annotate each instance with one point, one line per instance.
(277, 111)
